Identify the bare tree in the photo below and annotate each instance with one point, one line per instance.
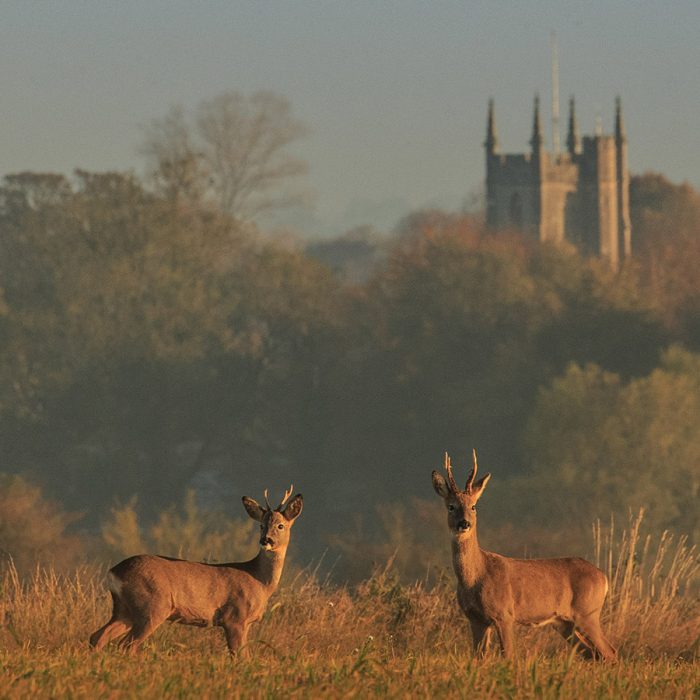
(172, 159)
(234, 153)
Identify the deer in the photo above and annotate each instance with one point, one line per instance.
(147, 590)
(494, 591)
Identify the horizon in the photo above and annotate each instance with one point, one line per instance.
(395, 95)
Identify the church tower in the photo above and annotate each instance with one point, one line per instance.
(579, 197)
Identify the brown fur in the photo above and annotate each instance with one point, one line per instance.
(497, 591)
(148, 590)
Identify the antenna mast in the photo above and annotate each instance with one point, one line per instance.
(556, 145)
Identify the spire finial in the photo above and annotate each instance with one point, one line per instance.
(491, 143)
(536, 141)
(573, 141)
(555, 94)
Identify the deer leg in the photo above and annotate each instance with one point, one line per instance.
(479, 635)
(146, 617)
(236, 636)
(589, 626)
(113, 629)
(581, 643)
(115, 626)
(140, 632)
(504, 628)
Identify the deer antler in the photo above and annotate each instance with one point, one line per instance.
(286, 496)
(450, 478)
(267, 503)
(470, 480)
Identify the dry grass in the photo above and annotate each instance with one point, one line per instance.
(381, 638)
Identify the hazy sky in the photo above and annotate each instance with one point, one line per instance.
(394, 93)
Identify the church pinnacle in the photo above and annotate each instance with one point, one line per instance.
(491, 143)
(573, 140)
(537, 140)
(620, 134)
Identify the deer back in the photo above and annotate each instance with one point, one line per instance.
(191, 591)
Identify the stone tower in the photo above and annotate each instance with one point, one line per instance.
(580, 196)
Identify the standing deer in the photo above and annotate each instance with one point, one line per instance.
(147, 590)
(497, 591)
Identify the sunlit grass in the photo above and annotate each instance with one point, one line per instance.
(380, 638)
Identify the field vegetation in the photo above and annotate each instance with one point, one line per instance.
(153, 343)
(163, 353)
(382, 637)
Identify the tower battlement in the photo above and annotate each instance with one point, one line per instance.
(580, 196)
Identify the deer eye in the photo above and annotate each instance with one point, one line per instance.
(474, 507)
(280, 527)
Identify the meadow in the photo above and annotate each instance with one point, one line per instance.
(383, 637)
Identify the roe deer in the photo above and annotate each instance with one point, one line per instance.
(147, 590)
(497, 591)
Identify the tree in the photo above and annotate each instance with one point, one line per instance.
(235, 153)
(440, 354)
(597, 315)
(188, 532)
(598, 446)
(352, 256)
(33, 529)
(663, 213)
(144, 342)
(447, 343)
(174, 165)
(666, 239)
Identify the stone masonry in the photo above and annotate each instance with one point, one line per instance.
(580, 197)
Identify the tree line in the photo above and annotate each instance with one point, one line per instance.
(153, 343)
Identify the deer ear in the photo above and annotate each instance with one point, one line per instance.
(291, 512)
(479, 486)
(440, 485)
(254, 509)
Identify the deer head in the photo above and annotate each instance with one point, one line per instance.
(460, 505)
(275, 523)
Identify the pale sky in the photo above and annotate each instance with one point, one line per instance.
(394, 92)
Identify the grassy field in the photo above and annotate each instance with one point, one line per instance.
(381, 638)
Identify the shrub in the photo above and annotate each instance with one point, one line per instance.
(33, 529)
(187, 532)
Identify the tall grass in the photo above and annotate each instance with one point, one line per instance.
(381, 637)
(654, 587)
